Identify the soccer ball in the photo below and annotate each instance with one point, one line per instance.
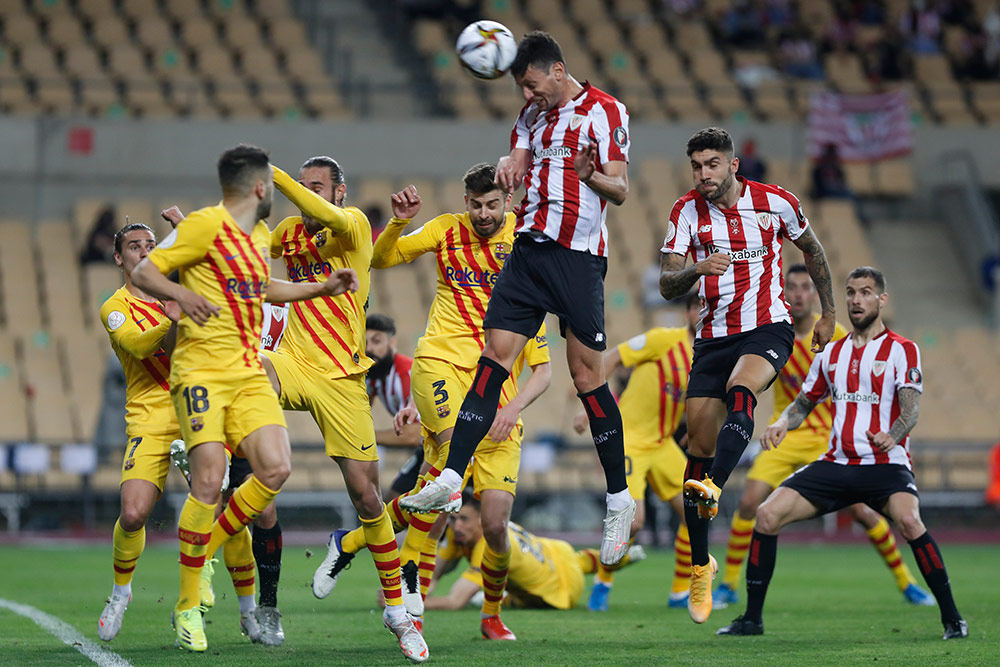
(486, 49)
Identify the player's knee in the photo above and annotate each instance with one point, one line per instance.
(768, 520)
(911, 526)
(275, 474)
(494, 528)
(369, 505)
(748, 507)
(133, 517)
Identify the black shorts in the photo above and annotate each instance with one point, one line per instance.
(410, 472)
(544, 277)
(833, 486)
(715, 358)
(239, 468)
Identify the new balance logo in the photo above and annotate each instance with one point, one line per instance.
(704, 229)
(911, 485)
(599, 338)
(774, 355)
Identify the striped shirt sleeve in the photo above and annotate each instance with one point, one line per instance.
(188, 243)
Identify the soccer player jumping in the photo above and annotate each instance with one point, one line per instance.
(734, 228)
(569, 147)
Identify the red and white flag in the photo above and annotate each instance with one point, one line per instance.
(865, 128)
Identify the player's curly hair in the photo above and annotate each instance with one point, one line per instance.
(538, 49)
(480, 179)
(869, 272)
(710, 139)
(379, 322)
(130, 227)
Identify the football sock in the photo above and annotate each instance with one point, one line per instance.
(238, 556)
(247, 502)
(739, 541)
(760, 567)
(589, 560)
(416, 536)
(382, 545)
(735, 434)
(194, 528)
(267, 553)
(247, 603)
(126, 549)
(931, 565)
(882, 539)
(606, 429)
(494, 570)
(697, 467)
(477, 413)
(682, 561)
(428, 555)
(354, 541)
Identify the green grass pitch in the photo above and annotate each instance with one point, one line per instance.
(829, 604)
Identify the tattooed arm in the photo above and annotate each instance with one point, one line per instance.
(819, 271)
(909, 408)
(675, 280)
(790, 419)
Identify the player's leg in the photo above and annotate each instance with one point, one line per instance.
(705, 415)
(740, 532)
(784, 506)
(903, 507)
(237, 553)
(881, 537)
(266, 547)
(636, 468)
(496, 506)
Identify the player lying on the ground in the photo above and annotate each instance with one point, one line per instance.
(652, 406)
(801, 447)
(544, 573)
(874, 379)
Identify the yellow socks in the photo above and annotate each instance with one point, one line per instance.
(126, 549)
(494, 571)
(354, 541)
(881, 536)
(238, 554)
(246, 504)
(193, 529)
(589, 560)
(382, 545)
(682, 561)
(428, 555)
(739, 541)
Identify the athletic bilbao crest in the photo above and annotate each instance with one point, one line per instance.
(764, 221)
(878, 368)
(501, 251)
(576, 121)
(197, 424)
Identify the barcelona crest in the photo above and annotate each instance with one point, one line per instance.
(197, 424)
(501, 251)
(443, 411)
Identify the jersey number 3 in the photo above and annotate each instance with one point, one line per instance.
(440, 394)
(196, 398)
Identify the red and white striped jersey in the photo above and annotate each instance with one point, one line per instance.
(751, 291)
(394, 388)
(275, 320)
(864, 383)
(555, 202)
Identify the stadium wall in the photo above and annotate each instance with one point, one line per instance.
(46, 164)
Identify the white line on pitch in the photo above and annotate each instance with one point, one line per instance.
(67, 634)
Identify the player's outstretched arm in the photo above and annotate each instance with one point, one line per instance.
(460, 594)
(340, 281)
(909, 408)
(390, 249)
(507, 416)
(676, 279)
(819, 270)
(173, 215)
(326, 213)
(790, 419)
(512, 168)
(610, 184)
(147, 277)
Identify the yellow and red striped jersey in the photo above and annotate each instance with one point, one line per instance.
(229, 267)
(467, 269)
(136, 329)
(326, 333)
(653, 402)
(790, 380)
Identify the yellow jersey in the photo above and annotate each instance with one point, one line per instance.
(136, 329)
(536, 565)
(328, 332)
(467, 268)
(652, 404)
(790, 380)
(229, 267)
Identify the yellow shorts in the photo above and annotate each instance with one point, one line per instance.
(438, 389)
(800, 447)
(210, 410)
(662, 466)
(493, 466)
(340, 407)
(147, 456)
